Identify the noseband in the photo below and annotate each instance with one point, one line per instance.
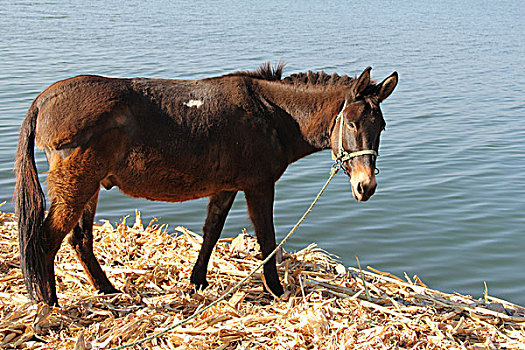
(342, 155)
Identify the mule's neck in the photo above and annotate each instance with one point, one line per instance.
(314, 109)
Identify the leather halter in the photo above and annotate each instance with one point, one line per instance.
(342, 155)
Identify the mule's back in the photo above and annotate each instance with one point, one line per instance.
(71, 109)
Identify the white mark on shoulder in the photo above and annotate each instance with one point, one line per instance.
(194, 103)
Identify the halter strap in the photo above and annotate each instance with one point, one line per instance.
(342, 154)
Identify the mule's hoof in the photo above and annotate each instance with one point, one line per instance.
(199, 286)
(111, 290)
(278, 290)
(198, 279)
(49, 300)
(275, 289)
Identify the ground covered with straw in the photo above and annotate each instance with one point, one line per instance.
(326, 305)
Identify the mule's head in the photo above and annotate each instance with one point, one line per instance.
(356, 131)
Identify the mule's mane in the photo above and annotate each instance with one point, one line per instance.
(274, 73)
(319, 78)
(264, 72)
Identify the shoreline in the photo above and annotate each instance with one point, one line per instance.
(325, 305)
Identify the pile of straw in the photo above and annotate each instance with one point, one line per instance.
(326, 306)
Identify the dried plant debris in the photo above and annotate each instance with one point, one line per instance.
(325, 305)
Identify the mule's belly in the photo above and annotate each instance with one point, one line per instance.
(168, 191)
(167, 184)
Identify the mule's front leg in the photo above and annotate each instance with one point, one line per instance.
(218, 208)
(260, 208)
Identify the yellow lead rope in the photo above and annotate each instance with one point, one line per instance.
(198, 312)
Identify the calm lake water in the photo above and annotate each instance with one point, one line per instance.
(450, 205)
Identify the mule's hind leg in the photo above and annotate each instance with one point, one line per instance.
(218, 208)
(82, 241)
(62, 217)
(72, 182)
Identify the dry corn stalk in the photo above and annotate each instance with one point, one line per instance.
(324, 306)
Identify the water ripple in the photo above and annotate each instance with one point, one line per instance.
(451, 193)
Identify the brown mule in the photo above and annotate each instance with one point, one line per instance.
(175, 140)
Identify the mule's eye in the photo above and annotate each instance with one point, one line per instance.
(351, 126)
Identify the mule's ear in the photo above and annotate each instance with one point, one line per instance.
(362, 83)
(387, 86)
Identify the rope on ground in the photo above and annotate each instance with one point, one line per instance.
(199, 311)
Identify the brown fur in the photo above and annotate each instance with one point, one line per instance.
(175, 140)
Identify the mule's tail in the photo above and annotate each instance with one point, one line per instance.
(30, 205)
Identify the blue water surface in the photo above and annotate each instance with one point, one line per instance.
(451, 198)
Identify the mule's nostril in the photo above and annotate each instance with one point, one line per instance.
(360, 188)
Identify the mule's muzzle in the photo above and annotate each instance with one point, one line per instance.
(363, 182)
